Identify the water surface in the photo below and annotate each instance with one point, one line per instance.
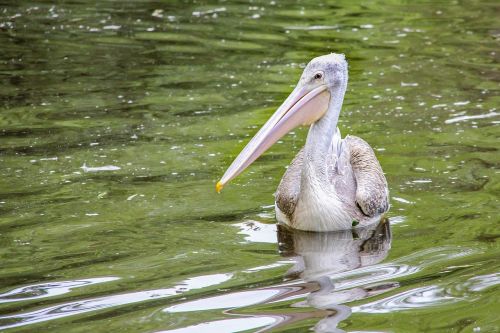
(117, 118)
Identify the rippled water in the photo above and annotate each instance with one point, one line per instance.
(118, 117)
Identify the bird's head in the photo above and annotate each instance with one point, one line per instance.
(329, 70)
(307, 103)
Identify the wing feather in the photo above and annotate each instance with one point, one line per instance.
(287, 194)
(372, 194)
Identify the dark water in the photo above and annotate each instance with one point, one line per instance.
(117, 118)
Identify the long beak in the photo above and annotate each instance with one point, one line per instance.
(303, 107)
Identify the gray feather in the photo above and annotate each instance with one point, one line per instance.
(371, 185)
(288, 190)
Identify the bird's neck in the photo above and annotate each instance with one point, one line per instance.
(323, 138)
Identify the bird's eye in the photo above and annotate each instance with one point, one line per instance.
(318, 76)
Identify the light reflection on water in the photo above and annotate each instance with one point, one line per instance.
(415, 298)
(331, 271)
(48, 289)
(101, 303)
(328, 270)
(317, 258)
(229, 325)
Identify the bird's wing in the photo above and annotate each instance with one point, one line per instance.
(288, 190)
(371, 192)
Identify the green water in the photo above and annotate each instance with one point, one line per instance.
(161, 96)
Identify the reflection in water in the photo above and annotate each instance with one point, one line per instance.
(101, 303)
(228, 325)
(329, 270)
(321, 255)
(411, 299)
(319, 258)
(49, 289)
(432, 295)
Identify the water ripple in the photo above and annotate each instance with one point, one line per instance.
(228, 325)
(50, 289)
(397, 269)
(481, 282)
(257, 232)
(100, 303)
(231, 300)
(429, 296)
(373, 274)
(411, 299)
(79, 307)
(466, 118)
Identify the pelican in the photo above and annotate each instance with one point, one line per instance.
(332, 183)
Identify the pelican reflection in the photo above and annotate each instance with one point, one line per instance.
(327, 273)
(320, 257)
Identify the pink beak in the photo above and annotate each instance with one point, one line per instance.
(304, 106)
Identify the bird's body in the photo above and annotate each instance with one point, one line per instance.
(355, 189)
(333, 183)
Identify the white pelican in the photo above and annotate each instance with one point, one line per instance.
(333, 183)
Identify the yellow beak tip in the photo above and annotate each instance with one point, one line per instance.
(218, 187)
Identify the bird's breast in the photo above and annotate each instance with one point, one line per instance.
(317, 209)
